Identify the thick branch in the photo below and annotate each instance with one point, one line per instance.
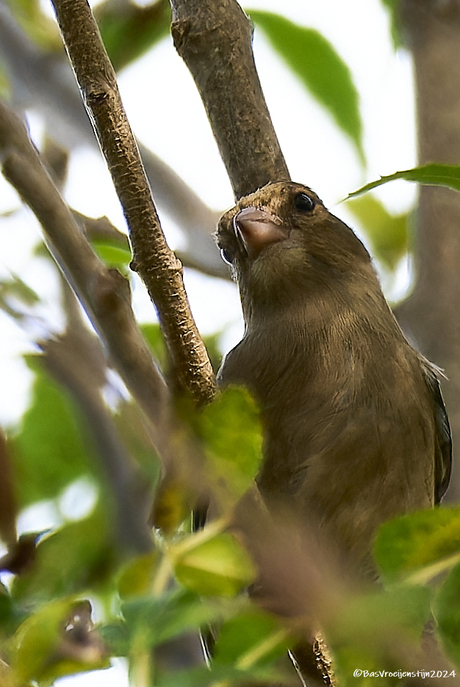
(159, 268)
(45, 82)
(104, 293)
(214, 39)
(431, 313)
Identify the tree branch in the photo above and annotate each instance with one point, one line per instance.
(45, 82)
(214, 39)
(104, 293)
(430, 314)
(159, 268)
(76, 362)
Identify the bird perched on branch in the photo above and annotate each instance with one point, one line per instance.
(355, 428)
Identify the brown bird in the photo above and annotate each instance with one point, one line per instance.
(355, 428)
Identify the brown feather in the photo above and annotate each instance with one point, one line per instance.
(355, 427)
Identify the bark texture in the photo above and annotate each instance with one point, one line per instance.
(214, 39)
(159, 268)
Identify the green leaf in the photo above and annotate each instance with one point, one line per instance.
(71, 559)
(446, 609)
(393, 10)
(388, 234)
(320, 68)
(373, 630)
(39, 650)
(230, 429)
(41, 28)
(37, 639)
(115, 636)
(428, 175)
(214, 567)
(137, 576)
(13, 291)
(252, 638)
(17, 288)
(226, 675)
(370, 617)
(150, 621)
(48, 451)
(420, 544)
(154, 337)
(11, 615)
(112, 253)
(128, 30)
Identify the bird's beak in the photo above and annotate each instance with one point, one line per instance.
(257, 228)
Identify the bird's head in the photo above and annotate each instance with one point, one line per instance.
(284, 245)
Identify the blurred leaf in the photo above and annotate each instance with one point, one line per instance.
(112, 253)
(14, 291)
(429, 175)
(48, 451)
(17, 288)
(37, 639)
(40, 646)
(372, 619)
(137, 576)
(232, 436)
(151, 621)
(373, 631)
(320, 68)
(116, 637)
(252, 638)
(420, 544)
(393, 10)
(129, 30)
(69, 560)
(388, 234)
(154, 338)
(215, 567)
(11, 615)
(173, 503)
(227, 675)
(447, 615)
(39, 27)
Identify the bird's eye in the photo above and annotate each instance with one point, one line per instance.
(226, 256)
(304, 203)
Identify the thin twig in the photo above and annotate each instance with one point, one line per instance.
(159, 268)
(214, 39)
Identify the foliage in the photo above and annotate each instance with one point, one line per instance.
(430, 175)
(129, 30)
(314, 60)
(148, 601)
(388, 234)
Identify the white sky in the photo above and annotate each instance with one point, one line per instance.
(167, 115)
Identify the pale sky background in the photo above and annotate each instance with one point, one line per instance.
(160, 96)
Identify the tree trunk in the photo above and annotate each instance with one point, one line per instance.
(430, 315)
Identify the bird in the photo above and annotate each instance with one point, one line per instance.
(355, 431)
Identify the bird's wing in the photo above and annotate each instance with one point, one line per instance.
(443, 457)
